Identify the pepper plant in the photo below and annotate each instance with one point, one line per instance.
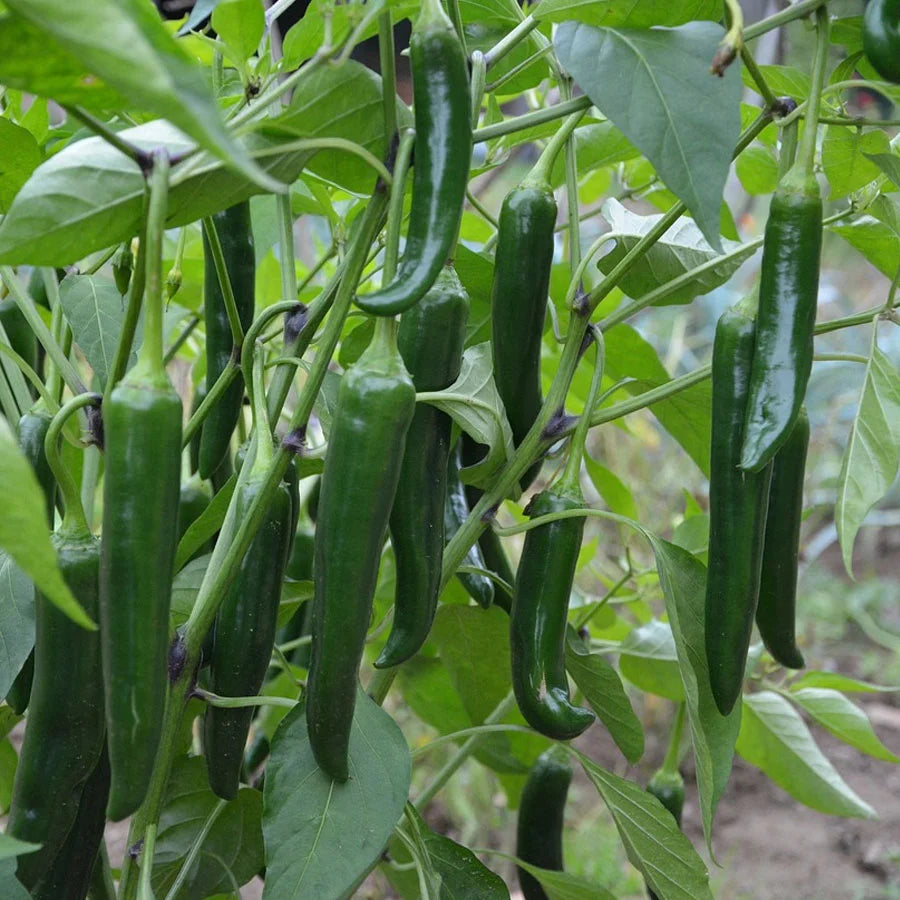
(289, 367)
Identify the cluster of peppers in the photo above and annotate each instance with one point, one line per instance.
(99, 750)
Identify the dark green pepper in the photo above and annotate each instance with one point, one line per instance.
(194, 446)
(193, 499)
(881, 37)
(522, 266)
(244, 633)
(64, 732)
(375, 406)
(540, 607)
(236, 237)
(430, 338)
(456, 510)
(775, 614)
(300, 568)
(21, 337)
(737, 513)
(443, 152)
(789, 283)
(668, 788)
(540, 825)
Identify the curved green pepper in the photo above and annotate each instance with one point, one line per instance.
(243, 636)
(537, 623)
(522, 266)
(737, 513)
(64, 732)
(141, 482)
(789, 282)
(775, 614)
(443, 151)
(235, 234)
(881, 37)
(456, 510)
(542, 807)
(430, 338)
(375, 406)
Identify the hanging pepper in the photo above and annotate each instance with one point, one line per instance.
(881, 37)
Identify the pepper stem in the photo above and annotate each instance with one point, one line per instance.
(789, 135)
(74, 523)
(539, 176)
(263, 459)
(433, 14)
(807, 151)
(150, 359)
(570, 481)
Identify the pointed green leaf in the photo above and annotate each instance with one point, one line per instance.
(11, 847)
(870, 459)
(877, 242)
(21, 156)
(846, 158)
(16, 620)
(655, 86)
(633, 15)
(839, 682)
(774, 738)
(563, 886)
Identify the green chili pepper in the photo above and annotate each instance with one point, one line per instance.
(375, 406)
(300, 568)
(456, 510)
(235, 234)
(737, 513)
(64, 732)
(244, 632)
(540, 825)
(881, 37)
(775, 613)
(431, 338)
(194, 446)
(141, 482)
(443, 151)
(668, 788)
(123, 266)
(21, 337)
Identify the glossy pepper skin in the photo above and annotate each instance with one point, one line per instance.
(518, 305)
(236, 236)
(31, 431)
(881, 37)
(430, 339)
(775, 614)
(456, 510)
(64, 735)
(789, 283)
(537, 623)
(374, 409)
(243, 636)
(442, 154)
(142, 420)
(737, 514)
(540, 824)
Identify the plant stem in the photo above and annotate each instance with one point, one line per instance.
(806, 152)
(99, 128)
(465, 732)
(286, 246)
(540, 173)
(388, 75)
(178, 343)
(215, 249)
(229, 373)
(797, 11)
(510, 41)
(395, 209)
(240, 702)
(529, 120)
(189, 860)
(762, 86)
(571, 476)
(27, 371)
(449, 768)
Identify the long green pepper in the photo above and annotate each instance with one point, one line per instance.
(142, 420)
(430, 339)
(375, 406)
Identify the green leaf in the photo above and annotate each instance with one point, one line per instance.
(21, 156)
(773, 738)
(683, 580)
(685, 415)
(11, 847)
(323, 837)
(231, 853)
(869, 466)
(205, 526)
(28, 62)
(667, 98)
(10, 885)
(94, 310)
(602, 688)
(241, 25)
(55, 221)
(16, 621)
(611, 488)
(877, 242)
(185, 587)
(473, 402)
(597, 144)
(563, 886)
(647, 658)
(633, 15)
(9, 760)
(846, 158)
(889, 163)
(23, 530)
(839, 682)
(845, 720)
(462, 874)
(681, 249)
(757, 170)
(783, 80)
(125, 43)
(343, 102)
(652, 840)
